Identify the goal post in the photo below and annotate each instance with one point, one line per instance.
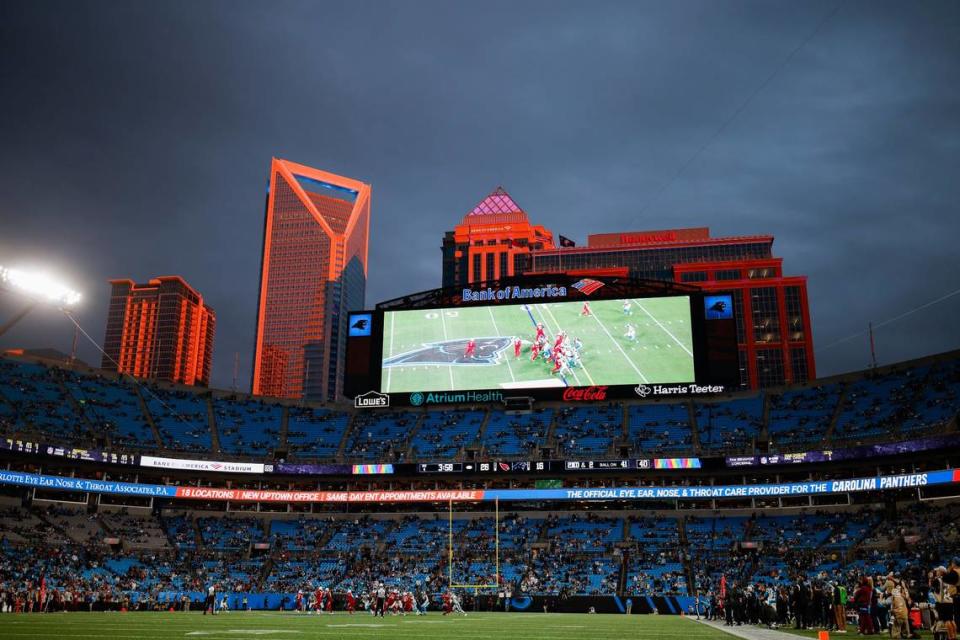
(496, 550)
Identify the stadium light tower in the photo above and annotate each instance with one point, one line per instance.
(38, 287)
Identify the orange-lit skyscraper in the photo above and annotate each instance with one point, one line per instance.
(313, 271)
(161, 329)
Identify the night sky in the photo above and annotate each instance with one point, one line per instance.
(136, 137)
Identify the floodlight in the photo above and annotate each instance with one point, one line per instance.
(39, 285)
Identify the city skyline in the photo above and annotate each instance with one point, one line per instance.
(836, 132)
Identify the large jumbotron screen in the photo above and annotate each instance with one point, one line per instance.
(607, 342)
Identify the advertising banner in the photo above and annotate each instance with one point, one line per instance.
(202, 465)
(719, 492)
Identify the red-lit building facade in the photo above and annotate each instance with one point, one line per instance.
(161, 330)
(772, 310)
(494, 240)
(313, 271)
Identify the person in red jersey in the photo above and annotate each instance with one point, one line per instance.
(586, 308)
(299, 604)
(517, 345)
(391, 600)
(351, 602)
(557, 359)
(471, 349)
(540, 333)
(318, 600)
(407, 602)
(534, 351)
(328, 600)
(447, 603)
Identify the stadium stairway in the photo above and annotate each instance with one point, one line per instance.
(284, 429)
(763, 433)
(695, 428)
(147, 416)
(212, 424)
(837, 412)
(346, 436)
(77, 408)
(411, 437)
(478, 443)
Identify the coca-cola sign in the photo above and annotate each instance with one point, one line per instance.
(585, 394)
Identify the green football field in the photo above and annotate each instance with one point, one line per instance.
(237, 625)
(424, 349)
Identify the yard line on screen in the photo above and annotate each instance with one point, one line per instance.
(669, 333)
(582, 366)
(443, 322)
(546, 325)
(393, 322)
(507, 356)
(643, 378)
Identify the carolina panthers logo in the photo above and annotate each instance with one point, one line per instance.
(452, 352)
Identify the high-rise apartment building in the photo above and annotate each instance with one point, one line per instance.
(161, 329)
(313, 271)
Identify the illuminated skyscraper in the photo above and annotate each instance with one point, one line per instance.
(313, 271)
(161, 329)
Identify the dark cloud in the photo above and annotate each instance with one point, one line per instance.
(136, 139)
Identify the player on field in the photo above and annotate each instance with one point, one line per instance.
(627, 309)
(328, 600)
(586, 308)
(351, 602)
(455, 604)
(471, 350)
(316, 601)
(299, 604)
(534, 351)
(558, 361)
(631, 333)
(517, 345)
(381, 600)
(423, 598)
(540, 332)
(577, 346)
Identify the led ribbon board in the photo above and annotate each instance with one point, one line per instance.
(719, 492)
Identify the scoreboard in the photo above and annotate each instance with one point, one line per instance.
(548, 337)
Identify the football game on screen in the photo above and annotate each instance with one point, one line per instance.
(531, 346)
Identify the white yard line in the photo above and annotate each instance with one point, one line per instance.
(682, 346)
(393, 321)
(546, 326)
(505, 351)
(643, 378)
(445, 338)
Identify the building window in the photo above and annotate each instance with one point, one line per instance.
(477, 277)
(728, 274)
(766, 318)
(798, 361)
(769, 368)
(792, 299)
(504, 272)
(489, 274)
(744, 369)
(738, 315)
(693, 276)
(760, 274)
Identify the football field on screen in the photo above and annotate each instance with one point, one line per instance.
(273, 624)
(424, 350)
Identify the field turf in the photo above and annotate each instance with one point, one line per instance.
(245, 625)
(423, 349)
